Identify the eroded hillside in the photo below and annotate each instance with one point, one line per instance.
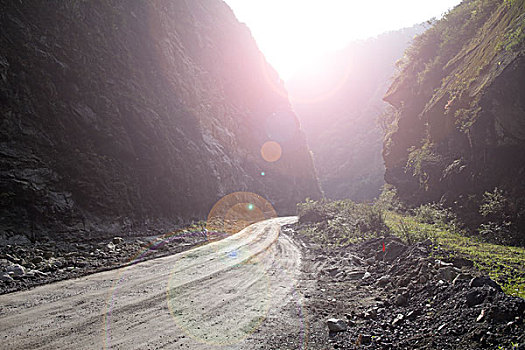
(458, 129)
(120, 114)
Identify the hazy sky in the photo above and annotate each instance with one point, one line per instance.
(291, 32)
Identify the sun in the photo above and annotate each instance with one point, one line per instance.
(294, 33)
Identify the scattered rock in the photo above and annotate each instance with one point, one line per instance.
(398, 319)
(332, 271)
(393, 250)
(461, 277)
(15, 240)
(118, 240)
(4, 263)
(481, 316)
(440, 264)
(484, 281)
(37, 260)
(401, 300)
(5, 277)
(371, 313)
(447, 273)
(336, 325)
(383, 280)
(474, 297)
(16, 270)
(354, 275)
(412, 314)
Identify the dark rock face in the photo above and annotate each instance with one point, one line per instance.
(338, 107)
(123, 113)
(458, 128)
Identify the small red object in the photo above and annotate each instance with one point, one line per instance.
(383, 246)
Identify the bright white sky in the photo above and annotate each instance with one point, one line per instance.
(292, 32)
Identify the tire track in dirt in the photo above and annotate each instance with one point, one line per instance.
(212, 296)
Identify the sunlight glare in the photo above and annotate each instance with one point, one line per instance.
(292, 33)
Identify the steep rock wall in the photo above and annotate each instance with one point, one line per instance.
(458, 128)
(120, 114)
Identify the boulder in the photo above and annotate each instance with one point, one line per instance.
(474, 297)
(484, 281)
(118, 240)
(462, 262)
(383, 280)
(336, 325)
(16, 270)
(401, 300)
(393, 250)
(447, 273)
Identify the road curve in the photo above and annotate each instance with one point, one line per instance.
(213, 296)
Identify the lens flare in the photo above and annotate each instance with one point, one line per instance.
(238, 210)
(189, 316)
(271, 151)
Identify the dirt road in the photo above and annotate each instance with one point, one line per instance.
(213, 296)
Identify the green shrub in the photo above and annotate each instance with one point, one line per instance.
(340, 222)
(434, 213)
(504, 219)
(388, 199)
(494, 205)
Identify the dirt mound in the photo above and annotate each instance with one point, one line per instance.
(395, 296)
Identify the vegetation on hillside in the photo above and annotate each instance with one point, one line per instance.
(343, 222)
(454, 134)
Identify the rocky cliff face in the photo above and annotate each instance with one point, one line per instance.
(338, 107)
(117, 114)
(458, 128)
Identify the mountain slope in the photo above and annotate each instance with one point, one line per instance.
(458, 129)
(119, 114)
(338, 107)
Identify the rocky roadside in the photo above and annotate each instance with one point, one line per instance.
(25, 264)
(365, 297)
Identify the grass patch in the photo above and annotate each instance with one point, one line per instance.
(504, 264)
(339, 223)
(343, 222)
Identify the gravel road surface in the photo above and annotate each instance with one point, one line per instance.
(213, 296)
